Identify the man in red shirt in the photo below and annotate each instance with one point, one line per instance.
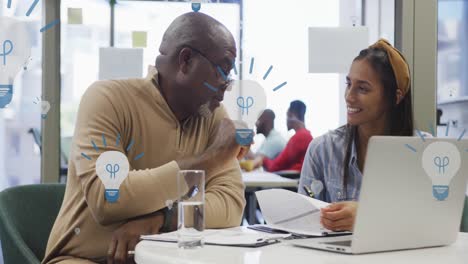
(292, 157)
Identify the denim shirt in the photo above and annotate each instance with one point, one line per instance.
(324, 162)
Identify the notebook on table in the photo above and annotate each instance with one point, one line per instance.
(237, 236)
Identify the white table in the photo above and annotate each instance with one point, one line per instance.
(167, 253)
(262, 179)
(257, 180)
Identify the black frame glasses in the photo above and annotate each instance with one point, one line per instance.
(220, 73)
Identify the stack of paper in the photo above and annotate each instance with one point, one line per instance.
(237, 236)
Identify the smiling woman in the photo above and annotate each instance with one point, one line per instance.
(378, 99)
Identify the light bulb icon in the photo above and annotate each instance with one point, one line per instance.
(112, 168)
(244, 135)
(196, 5)
(15, 50)
(45, 107)
(441, 162)
(316, 187)
(246, 101)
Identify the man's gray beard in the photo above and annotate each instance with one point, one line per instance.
(204, 110)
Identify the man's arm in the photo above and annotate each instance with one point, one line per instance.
(224, 196)
(100, 116)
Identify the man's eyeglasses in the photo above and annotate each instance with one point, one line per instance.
(220, 73)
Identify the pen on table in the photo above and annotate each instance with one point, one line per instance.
(308, 191)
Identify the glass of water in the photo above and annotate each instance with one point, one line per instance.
(191, 208)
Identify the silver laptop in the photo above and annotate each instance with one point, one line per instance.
(412, 196)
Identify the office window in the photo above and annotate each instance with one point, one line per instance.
(276, 34)
(452, 67)
(19, 154)
(452, 39)
(150, 19)
(85, 28)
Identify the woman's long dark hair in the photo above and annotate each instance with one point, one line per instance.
(400, 116)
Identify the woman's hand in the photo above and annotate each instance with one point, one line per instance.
(339, 216)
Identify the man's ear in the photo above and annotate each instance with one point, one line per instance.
(185, 59)
(399, 96)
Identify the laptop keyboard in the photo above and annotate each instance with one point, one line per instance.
(346, 243)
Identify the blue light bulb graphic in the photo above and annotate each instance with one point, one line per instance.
(112, 168)
(7, 49)
(244, 135)
(6, 94)
(196, 5)
(6, 90)
(245, 103)
(441, 161)
(15, 51)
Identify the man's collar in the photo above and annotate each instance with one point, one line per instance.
(152, 73)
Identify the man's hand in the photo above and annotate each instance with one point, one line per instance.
(244, 150)
(223, 148)
(258, 161)
(127, 236)
(339, 216)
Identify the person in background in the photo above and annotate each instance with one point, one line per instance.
(292, 156)
(273, 144)
(378, 98)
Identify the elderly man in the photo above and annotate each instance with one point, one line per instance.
(174, 117)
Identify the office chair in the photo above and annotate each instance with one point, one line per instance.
(464, 221)
(27, 214)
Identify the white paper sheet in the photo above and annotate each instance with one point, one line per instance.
(231, 236)
(291, 212)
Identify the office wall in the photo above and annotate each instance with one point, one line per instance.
(416, 37)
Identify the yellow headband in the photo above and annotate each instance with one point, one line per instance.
(399, 65)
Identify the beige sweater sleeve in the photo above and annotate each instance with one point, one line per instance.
(224, 196)
(142, 192)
